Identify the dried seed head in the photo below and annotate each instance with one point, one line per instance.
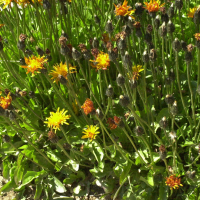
(127, 59)
(152, 55)
(137, 25)
(119, 122)
(184, 45)
(157, 22)
(163, 123)
(76, 54)
(124, 100)
(64, 34)
(95, 43)
(170, 27)
(120, 80)
(172, 75)
(52, 137)
(139, 9)
(162, 152)
(23, 93)
(139, 131)
(31, 94)
(179, 4)
(39, 51)
(109, 91)
(6, 138)
(163, 30)
(174, 108)
(46, 4)
(176, 45)
(169, 99)
(145, 56)
(96, 19)
(171, 11)
(109, 26)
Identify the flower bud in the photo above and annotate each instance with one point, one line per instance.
(138, 32)
(46, 4)
(170, 27)
(109, 26)
(120, 80)
(179, 4)
(152, 55)
(174, 109)
(22, 61)
(31, 94)
(169, 99)
(99, 113)
(162, 152)
(52, 137)
(184, 45)
(133, 84)
(127, 60)
(139, 131)
(188, 57)
(112, 56)
(76, 54)
(163, 123)
(127, 30)
(163, 30)
(165, 18)
(176, 45)
(196, 17)
(121, 44)
(172, 135)
(28, 52)
(96, 19)
(95, 43)
(124, 100)
(6, 138)
(130, 23)
(67, 146)
(109, 91)
(171, 11)
(21, 43)
(12, 116)
(157, 22)
(148, 37)
(63, 9)
(145, 56)
(39, 51)
(190, 174)
(139, 9)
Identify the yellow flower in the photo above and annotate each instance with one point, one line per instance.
(61, 70)
(153, 6)
(34, 64)
(191, 12)
(135, 72)
(124, 10)
(1, 25)
(197, 36)
(91, 132)
(5, 2)
(25, 2)
(57, 118)
(173, 182)
(102, 61)
(5, 101)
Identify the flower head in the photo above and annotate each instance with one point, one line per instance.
(111, 123)
(102, 61)
(5, 2)
(197, 36)
(1, 25)
(25, 2)
(153, 6)
(57, 118)
(88, 106)
(5, 101)
(61, 69)
(34, 64)
(91, 132)
(191, 12)
(124, 10)
(173, 182)
(135, 72)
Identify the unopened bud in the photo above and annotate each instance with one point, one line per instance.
(120, 80)
(179, 4)
(170, 27)
(163, 30)
(157, 22)
(76, 54)
(145, 56)
(96, 19)
(162, 152)
(46, 4)
(109, 91)
(124, 100)
(52, 137)
(95, 43)
(169, 99)
(109, 26)
(6, 138)
(139, 131)
(174, 108)
(163, 123)
(171, 11)
(176, 45)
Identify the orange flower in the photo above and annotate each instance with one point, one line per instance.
(5, 101)
(117, 120)
(173, 182)
(102, 61)
(88, 106)
(197, 36)
(153, 6)
(34, 64)
(124, 10)
(111, 123)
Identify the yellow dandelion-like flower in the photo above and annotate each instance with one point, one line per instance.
(25, 2)
(173, 182)
(197, 36)
(5, 101)
(91, 132)
(191, 12)
(34, 64)
(5, 2)
(102, 61)
(136, 72)
(61, 70)
(153, 6)
(57, 118)
(124, 10)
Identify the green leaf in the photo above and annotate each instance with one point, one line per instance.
(59, 186)
(18, 174)
(163, 113)
(8, 186)
(75, 166)
(163, 194)
(146, 181)
(6, 169)
(125, 172)
(97, 151)
(38, 191)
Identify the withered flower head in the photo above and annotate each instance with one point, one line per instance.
(111, 123)
(190, 47)
(163, 10)
(137, 25)
(149, 28)
(62, 41)
(95, 52)
(162, 148)
(82, 47)
(22, 37)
